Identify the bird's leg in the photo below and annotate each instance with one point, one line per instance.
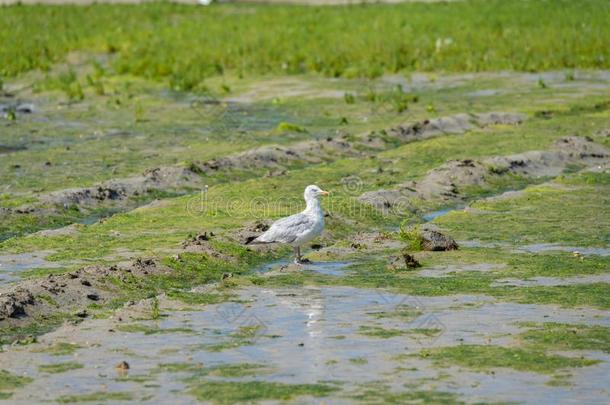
(297, 255)
(299, 259)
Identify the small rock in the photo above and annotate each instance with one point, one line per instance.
(82, 314)
(122, 366)
(86, 283)
(93, 297)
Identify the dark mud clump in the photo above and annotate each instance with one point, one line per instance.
(404, 261)
(250, 232)
(450, 181)
(202, 243)
(432, 239)
(14, 303)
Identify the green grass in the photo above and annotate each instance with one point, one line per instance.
(366, 41)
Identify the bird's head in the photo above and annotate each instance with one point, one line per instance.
(314, 192)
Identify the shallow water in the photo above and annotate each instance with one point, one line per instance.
(326, 268)
(307, 335)
(553, 281)
(543, 247)
(11, 265)
(435, 214)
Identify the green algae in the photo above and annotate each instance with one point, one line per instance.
(198, 298)
(561, 336)
(379, 393)
(405, 313)
(228, 392)
(99, 396)
(243, 336)
(379, 332)
(56, 368)
(197, 370)
(59, 349)
(9, 382)
(543, 214)
(478, 357)
(151, 330)
(427, 332)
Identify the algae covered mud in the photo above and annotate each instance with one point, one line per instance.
(466, 253)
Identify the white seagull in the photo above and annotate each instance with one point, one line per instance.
(298, 229)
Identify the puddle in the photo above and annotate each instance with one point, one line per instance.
(445, 271)
(303, 335)
(326, 268)
(435, 214)
(543, 247)
(552, 281)
(12, 265)
(10, 149)
(483, 93)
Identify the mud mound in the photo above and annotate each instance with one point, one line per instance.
(454, 124)
(434, 240)
(499, 118)
(384, 200)
(201, 243)
(404, 261)
(572, 150)
(250, 232)
(70, 292)
(446, 181)
(163, 178)
(278, 157)
(449, 181)
(275, 158)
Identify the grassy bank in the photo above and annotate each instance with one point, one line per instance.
(185, 44)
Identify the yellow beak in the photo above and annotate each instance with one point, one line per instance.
(324, 192)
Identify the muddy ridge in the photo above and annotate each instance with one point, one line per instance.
(269, 157)
(317, 151)
(449, 181)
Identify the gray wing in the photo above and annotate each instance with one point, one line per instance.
(286, 230)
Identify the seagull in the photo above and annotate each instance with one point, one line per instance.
(298, 229)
